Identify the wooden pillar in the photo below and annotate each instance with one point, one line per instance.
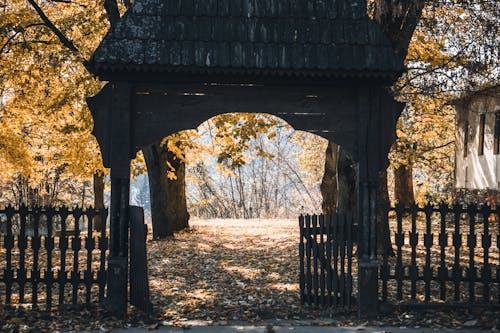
(121, 151)
(378, 114)
(369, 165)
(367, 245)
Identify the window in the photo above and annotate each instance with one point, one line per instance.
(482, 121)
(496, 142)
(466, 138)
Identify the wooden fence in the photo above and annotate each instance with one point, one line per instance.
(52, 255)
(326, 260)
(443, 256)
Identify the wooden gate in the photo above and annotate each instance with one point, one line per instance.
(52, 255)
(326, 248)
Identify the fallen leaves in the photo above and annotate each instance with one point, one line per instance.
(240, 270)
(224, 272)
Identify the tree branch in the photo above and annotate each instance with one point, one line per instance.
(111, 8)
(66, 42)
(438, 147)
(17, 33)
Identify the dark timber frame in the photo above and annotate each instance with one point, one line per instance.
(339, 94)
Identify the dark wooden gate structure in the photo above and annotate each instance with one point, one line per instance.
(326, 252)
(322, 66)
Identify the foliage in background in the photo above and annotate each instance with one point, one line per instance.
(50, 152)
(253, 165)
(46, 149)
(454, 50)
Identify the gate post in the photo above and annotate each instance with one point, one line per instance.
(369, 157)
(367, 255)
(121, 151)
(139, 285)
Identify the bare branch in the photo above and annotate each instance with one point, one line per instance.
(17, 33)
(111, 8)
(66, 42)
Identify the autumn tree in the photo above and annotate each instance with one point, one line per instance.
(453, 50)
(44, 82)
(275, 173)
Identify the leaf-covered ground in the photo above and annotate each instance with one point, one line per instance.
(230, 271)
(227, 270)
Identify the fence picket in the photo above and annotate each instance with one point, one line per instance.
(341, 244)
(471, 244)
(103, 247)
(322, 281)
(22, 244)
(9, 245)
(62, 275)
(76, 246)
(400, 240)
(308, 261)
(349, 241)
(486, 244)
(88, 275)
(457, 244)
(443, 243)
(413, 244)
(301, 261)
(329, 240)
(428, 241)
(49, 248)
(497, 212)
(335, 248)
(315, 259)
(35, 247)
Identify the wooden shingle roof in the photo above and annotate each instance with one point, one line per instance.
(256, 37)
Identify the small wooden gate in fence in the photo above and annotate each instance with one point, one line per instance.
(326, 260)
(52, 255)
(443, 256)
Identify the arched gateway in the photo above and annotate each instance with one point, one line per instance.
(321, 65)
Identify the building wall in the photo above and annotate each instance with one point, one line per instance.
(476, 171)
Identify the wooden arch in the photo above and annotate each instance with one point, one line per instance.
(158, 110)
(322, 66)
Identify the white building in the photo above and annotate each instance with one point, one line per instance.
(477, 165)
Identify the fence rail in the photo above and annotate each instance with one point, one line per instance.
(326, 260)
(443, 255)
(52, 255)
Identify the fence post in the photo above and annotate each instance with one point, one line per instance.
(139, 286)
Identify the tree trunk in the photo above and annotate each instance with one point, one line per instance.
(98, 198)
(347, 180)
(383, 230)
(329, 184)
(398, 19)
(168, 197)
(403, 185)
